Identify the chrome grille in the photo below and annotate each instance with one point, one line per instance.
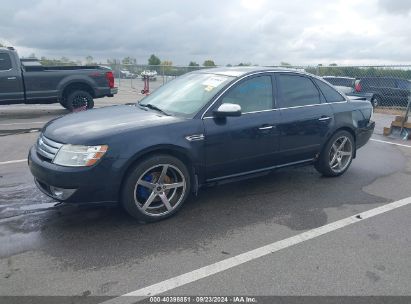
(47, 148)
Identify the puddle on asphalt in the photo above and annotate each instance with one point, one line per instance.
(16, 242)
(18, 199)
(41, 206)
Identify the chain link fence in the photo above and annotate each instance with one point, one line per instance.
(129, 77)
(388, 88)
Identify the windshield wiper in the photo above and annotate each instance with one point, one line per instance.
(153, 107)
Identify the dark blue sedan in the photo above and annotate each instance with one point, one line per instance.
(200, 129)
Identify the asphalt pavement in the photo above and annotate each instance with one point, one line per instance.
(50, 249)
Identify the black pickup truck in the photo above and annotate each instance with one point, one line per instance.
(27, 81)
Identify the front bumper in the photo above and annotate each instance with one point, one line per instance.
(364, 134)
(76, 185)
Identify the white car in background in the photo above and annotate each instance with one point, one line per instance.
(127, 74)
(343, 84)
(152, 75)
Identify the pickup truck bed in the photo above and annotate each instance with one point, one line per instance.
(27, 81)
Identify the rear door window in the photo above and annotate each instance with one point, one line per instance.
(296, 90)
(5, 62)
(330, 94)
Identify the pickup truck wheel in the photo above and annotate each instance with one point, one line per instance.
(78, 99)
(337, 155)
(156, 188)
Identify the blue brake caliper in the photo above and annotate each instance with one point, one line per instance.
(144, 192)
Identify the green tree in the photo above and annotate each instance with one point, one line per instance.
(167, 63)
(167, 67)
(129, 60)
(89, 60)
(245, 64)
(114, 64)
(229, 65)
(333, 64)
(154, 60)
(193, 64)
(209, 63)
(53, 62)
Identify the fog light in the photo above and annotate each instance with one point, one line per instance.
(61, 193)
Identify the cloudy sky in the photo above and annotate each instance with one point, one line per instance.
(263, 32)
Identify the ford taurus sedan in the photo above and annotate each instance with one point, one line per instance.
(200, 129)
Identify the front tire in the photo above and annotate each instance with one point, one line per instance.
(337, 155)
(156, 188)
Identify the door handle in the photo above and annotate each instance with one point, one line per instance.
(266, 128)
(324, 118)
(11, 78)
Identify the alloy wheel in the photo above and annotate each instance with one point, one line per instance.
(159, 190)
(340, 154)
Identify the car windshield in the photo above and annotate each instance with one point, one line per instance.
(187, 94)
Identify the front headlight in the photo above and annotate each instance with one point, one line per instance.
(79, 156)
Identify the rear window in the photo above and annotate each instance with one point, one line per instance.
(330, 94)
(5, 62)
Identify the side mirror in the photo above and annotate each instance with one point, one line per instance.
(228, 109)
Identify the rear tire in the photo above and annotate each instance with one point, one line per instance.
(156, 188)
(375, 101)
(63, 104)
(337, 155)
(77, 99)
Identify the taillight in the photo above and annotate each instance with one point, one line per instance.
(358, 87)
(110, 79)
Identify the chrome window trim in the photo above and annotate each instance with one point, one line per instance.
(245, 113)
(285, 108)
(269, 110)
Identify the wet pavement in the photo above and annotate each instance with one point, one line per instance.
(59, 249)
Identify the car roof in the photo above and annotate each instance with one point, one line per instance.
(240, 71)
(380, 77)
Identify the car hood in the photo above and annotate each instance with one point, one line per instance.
(89, 126)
